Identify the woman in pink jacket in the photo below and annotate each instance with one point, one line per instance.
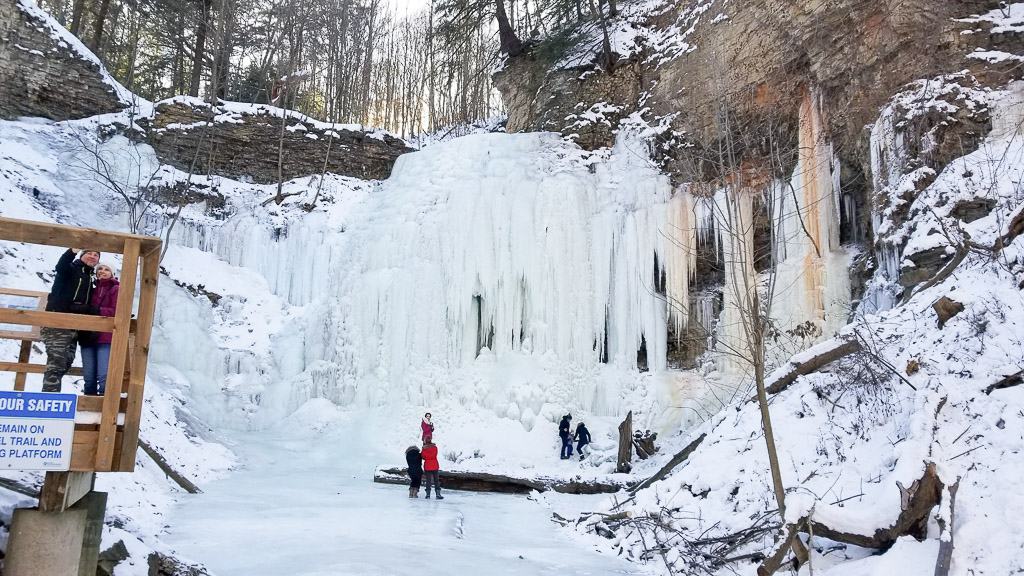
(96, 345)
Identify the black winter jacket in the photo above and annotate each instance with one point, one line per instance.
(412, 458)
(582, 434)
(72, 286)
(564, 428)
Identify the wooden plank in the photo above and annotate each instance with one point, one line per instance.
(140, 358)
(56, 320)
(20, 292)
(83, 450)
(27, 368)
(95, 404)
(24, 355)
(118, 352)
(71, 236)
(61, 490)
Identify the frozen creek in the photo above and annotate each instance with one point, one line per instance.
(304, 505)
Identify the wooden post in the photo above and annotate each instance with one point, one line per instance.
(625, 444)
(61, 490)
(23, 358)
(118, 352)
(140, 358)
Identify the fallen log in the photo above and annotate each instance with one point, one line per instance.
(486, 482)
(676, 460)
(786, 375)
(1006, 382)
(917, 501)
(23, 489)
(167, 469)
(945, 558)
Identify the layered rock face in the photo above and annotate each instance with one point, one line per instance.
(242, 141)
(712, 78)
(44, 71)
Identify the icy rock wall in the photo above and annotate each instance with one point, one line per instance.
(810, 293)
(512, 272)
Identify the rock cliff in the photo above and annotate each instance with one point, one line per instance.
(45, 71)
(241, 141)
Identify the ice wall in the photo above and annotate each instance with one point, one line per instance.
(507, 243)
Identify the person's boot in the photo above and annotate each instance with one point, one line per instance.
(437, 494)
(427, 496)
(51, 384)
(412, 492)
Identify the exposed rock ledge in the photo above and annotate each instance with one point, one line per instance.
(240, 141)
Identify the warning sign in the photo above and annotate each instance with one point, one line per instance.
(36, 430)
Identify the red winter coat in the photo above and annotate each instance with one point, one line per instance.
(428, 430)
(430, 462)
(104, 298)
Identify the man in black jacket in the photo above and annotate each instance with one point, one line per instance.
(582, 437)
(72, 288)
(565, 433)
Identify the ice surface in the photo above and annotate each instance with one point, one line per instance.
(304, 505)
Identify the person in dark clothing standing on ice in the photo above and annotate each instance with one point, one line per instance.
(431, 469)
(582, 438)
(71, 292)
(415, 462)
(565, 433)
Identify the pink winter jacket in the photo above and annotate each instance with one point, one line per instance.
(104, 297)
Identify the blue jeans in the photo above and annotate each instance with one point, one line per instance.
(566, 446)
(94, 364)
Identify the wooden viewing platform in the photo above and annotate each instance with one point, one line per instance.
(106, 435)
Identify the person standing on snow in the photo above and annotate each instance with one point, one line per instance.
(415, 462)
(96, 346)
(71, 292)
(431, 469)
(427, 427)
(582, 438)
(566, 435)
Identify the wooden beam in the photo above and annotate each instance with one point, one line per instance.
(83, 450)
(118, 353)
(71, 236)
(140, 358)
(61, 490)
(56, 320)
(26, 368)
(23, 358)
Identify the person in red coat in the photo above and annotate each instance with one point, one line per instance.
(96, 346)
(427, 427)
(431, 468)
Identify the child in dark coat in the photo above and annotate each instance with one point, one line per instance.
(415, 462)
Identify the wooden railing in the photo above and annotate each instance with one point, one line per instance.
(110, 443)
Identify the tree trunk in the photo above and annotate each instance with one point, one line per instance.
(510, 43)
(97, 33)
(77, 10)
(200, 51)
(625, 444)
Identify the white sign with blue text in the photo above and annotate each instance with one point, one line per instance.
(36, 430)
